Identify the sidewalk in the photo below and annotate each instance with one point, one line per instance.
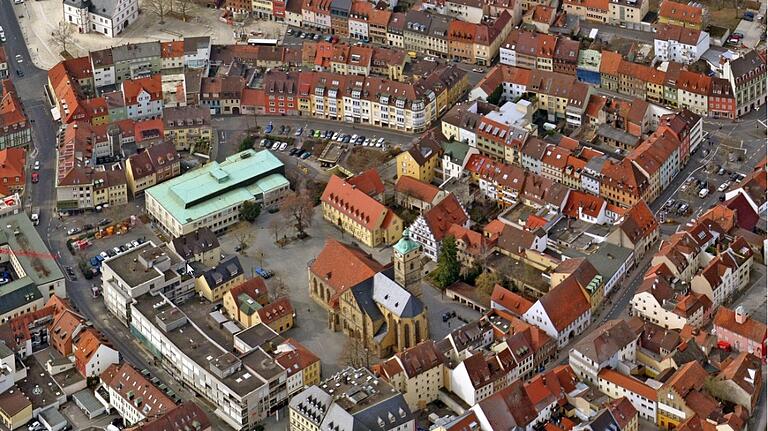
(42, 17)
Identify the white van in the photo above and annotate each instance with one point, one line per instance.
(703, 193)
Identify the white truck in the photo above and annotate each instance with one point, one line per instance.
(35, 217)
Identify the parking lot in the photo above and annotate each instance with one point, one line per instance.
(705, 186)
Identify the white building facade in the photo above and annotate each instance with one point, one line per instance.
(107, 17)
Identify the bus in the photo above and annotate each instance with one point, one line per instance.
(262, 42)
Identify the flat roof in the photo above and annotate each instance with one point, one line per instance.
(53, 418)
(128, 267)
(88, 401)
(18, 233)
(215, 186)
(197, 346)
(256, 335)
(38, 386)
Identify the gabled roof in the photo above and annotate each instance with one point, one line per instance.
(606, 341)
(343, 266)
(349, 200)
(751, 329)
(136, 390)
(275, 310)
(511, 301)
(638, 222)
(152, 85)
(414, 188)
(369, 182)
(186, 416)
(565, 303)
(447, 212)
(681, 12)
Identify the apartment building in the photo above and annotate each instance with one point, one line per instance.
(683, 14)
(244, 389)
(144, 269)
(381, 406)
(679, 44)
(189, 128)
(16, 130)
(747, 75)
(740, 332)
(132, 395)
(726, 274)
(157, 163)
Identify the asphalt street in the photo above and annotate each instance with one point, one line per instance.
(30, 89)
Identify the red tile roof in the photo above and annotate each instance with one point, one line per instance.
(369, 182)
(131, 386)
(186, 416)
(133, 87)
(629, 383)
(294, 356)
(12, 166)
(355, 204)
(275, 310)
(444, 214)
(255, 288)
(639, 222)
(343, 266)
(590, 205)
(565, 303)
(751, 329)
(513, 302)
(420, 190)
(681, 12)
(88, 343)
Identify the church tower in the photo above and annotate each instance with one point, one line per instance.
(407, 260)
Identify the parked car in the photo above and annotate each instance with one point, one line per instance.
(703, 192)
(73, 231)
(305, 155)
(111, 253)
(299, 131)
(263, 273)
(275, 145)
(283, 146)
(724, 186)
(36, 166)
(104, 222)
(35, 177)
(269, 127)
(293, 151)
(135, 243)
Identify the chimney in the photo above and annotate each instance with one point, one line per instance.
(741, 315)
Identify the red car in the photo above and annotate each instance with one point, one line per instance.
(35, 177)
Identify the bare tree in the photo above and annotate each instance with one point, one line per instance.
(183, 8)
(63, 34)
(159, 8)
(299, 207)
(276, 227)
(242, 242)
(279, 289)
(356, 354)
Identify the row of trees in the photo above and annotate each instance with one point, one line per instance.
(64, 33)
(163, 8)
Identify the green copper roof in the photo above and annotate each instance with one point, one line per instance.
(247, 304)
(406, 244)
(215, 186)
